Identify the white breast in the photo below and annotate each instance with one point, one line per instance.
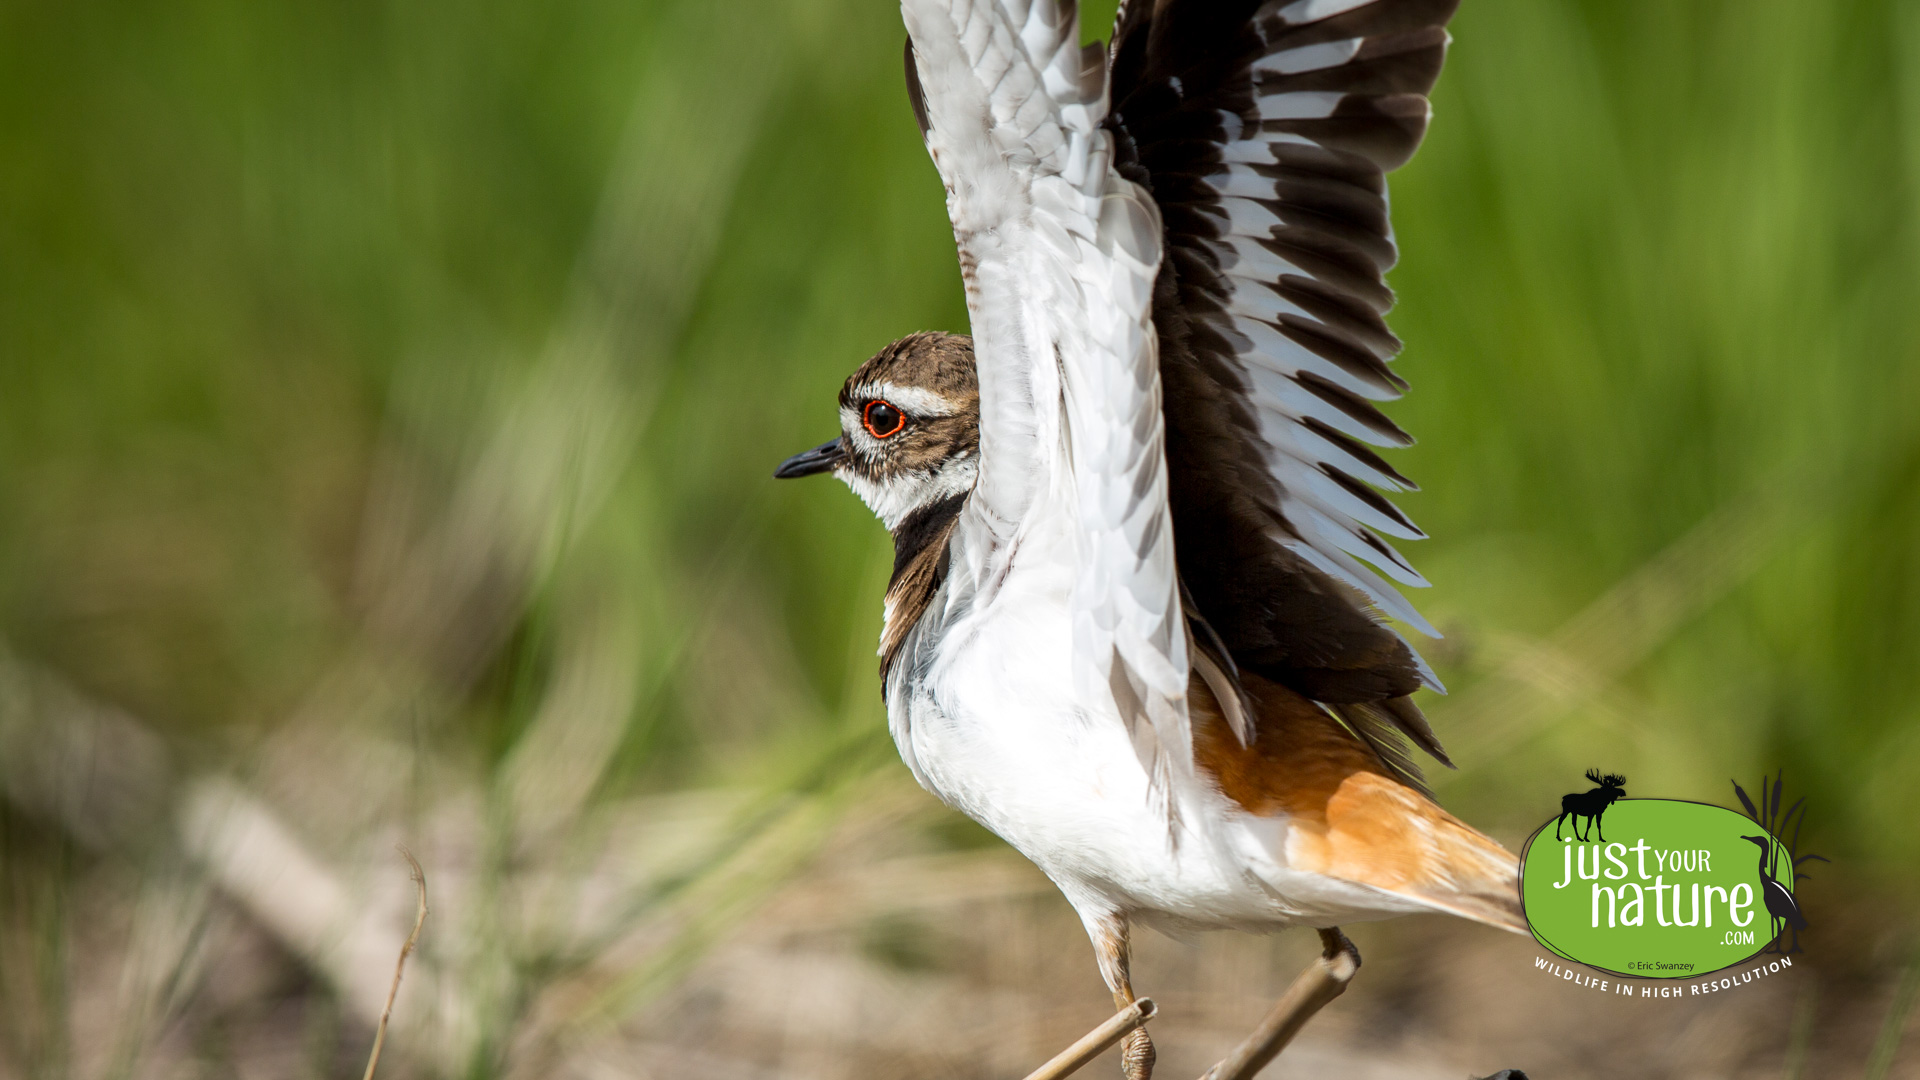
(985, 716)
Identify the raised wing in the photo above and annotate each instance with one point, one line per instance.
(1264, 131)
(1060, 255)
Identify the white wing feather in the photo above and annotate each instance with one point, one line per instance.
(1060, 254)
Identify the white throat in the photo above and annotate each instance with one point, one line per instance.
(895, 499)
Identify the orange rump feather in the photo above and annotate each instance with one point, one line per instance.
(1350, 818)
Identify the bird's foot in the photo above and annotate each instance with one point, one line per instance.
(1137, 1055)
(1333, 944)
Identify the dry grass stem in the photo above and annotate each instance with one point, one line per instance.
(1095, 1042)
(1800, 1038)
(400, 965)
(1899, 1010)
(1325, 979)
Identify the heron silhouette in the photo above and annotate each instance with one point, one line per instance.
(1782, 909)
(1776, 842)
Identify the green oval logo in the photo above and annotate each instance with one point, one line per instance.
(1674, 890)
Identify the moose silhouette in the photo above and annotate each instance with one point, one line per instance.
(1590, 805)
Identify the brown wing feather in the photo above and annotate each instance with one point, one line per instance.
(1233, 111)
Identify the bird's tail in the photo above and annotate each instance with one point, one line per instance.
(1381, 833)
(1347, 818)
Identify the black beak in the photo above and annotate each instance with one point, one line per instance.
(820, 459)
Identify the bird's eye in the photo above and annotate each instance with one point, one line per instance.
(882, 419)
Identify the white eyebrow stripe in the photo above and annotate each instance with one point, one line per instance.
(915, 400)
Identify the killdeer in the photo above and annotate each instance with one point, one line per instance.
(1139, 617)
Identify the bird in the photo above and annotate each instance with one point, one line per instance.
(1782, 908)
(1142, 620)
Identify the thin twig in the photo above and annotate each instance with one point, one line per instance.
(1095, 1042)
(1323, 981)
(400, 965)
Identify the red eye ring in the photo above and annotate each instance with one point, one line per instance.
(881, 419)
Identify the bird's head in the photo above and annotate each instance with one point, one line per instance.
(1761, 840)
(909, 428)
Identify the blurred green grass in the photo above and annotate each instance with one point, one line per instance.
(1659, 270)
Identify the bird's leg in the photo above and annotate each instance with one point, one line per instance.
(1323, 981)
(1109, 933)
